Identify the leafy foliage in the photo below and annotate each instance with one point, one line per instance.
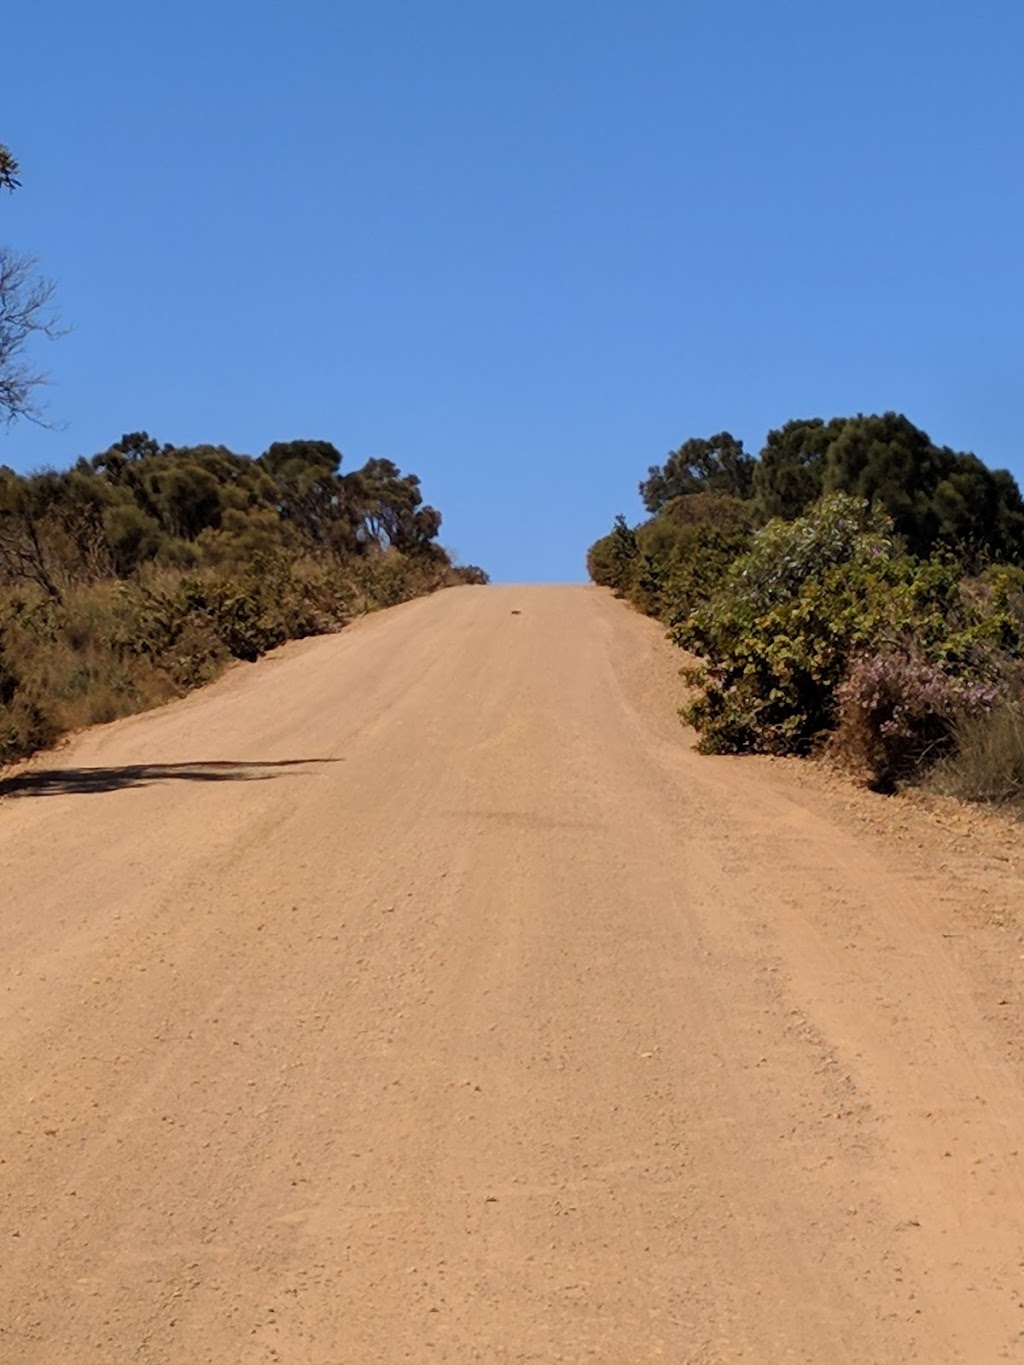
(611, 560)
(777, 637)
(669, 563)
(718, 464)
(829, 611)
(684, 552)
(790, 472)
(934, 495)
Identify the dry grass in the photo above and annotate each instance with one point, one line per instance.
(112, 648)
(67, 668)
(987, 763)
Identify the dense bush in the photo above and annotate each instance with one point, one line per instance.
(685, 550)
(716, 465)
(468, 575)
(778, 635)
(856, 582)
(827, 616)
(611, 561)
(668, 564)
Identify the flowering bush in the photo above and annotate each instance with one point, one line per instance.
(898, 712)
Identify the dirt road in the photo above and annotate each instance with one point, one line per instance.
(419, 995)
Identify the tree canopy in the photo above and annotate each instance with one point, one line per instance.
(184, 506)
(717, 464)
(933, 494)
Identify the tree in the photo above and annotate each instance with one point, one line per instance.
(386, 509)
(25, 507)
(26, 311)
(790, 471)
(934, 495)
(8, 169)
(718, 464)
(308, 491)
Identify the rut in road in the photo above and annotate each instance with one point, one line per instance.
(417, 994)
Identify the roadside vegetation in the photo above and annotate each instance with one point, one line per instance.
(854, 589)
(140, 573)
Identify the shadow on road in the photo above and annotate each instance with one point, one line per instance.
(87, 781)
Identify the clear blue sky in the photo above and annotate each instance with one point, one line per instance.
(521, 248)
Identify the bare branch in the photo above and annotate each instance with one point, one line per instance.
(26, 311)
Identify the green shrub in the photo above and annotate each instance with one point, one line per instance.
(685, 551)
(468, 574)
(777, 637)
(386, 578)
(831, 601)
(611, 560)
(670, 563)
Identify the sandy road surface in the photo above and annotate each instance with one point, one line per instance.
(417, 995)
